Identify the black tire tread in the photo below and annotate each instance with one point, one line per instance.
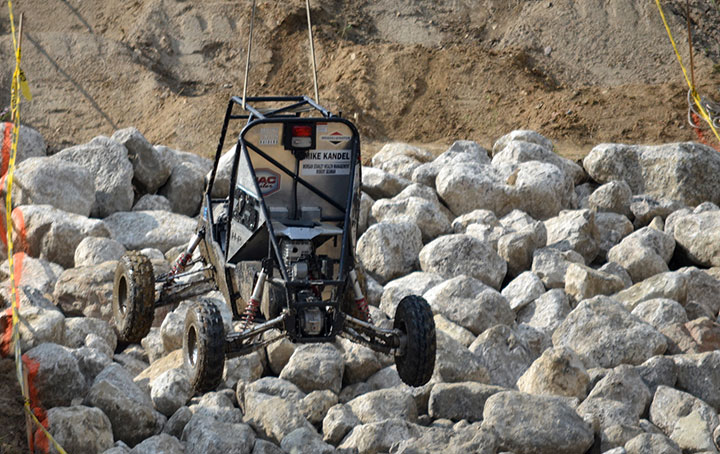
(208, 370)
(414, 316)
(141, 297)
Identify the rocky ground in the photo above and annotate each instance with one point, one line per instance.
(576, 305)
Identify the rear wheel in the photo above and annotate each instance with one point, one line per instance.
(414, 319)
(203, 346)
(133, 300)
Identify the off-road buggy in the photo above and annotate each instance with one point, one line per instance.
(279, 247)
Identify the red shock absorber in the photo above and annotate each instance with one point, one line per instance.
(360, 300)
(251, 311)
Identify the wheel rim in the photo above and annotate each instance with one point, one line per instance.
(192, 346)
(122, 294)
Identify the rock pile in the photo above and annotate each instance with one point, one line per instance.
(576, 306)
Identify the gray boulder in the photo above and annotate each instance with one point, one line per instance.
(170, 391)
(526, 425)
(623, 384)
(518, 151)
(458, 401)
(504, 354)
(36, 273)
(699, 374)
(39, 320)
(157, 229)
(462, 335)
(547, 312)
(205, 435)
(459, 151)
(461, 223)
(613, 197)
(521, 135)
(80, 429)
(550, 265)
(379, 184)
(338, 422)
(159, 444)
(452, 255)
(469, 303)
(669, 405)
(393, 150)
(30, 142)
(184, 189)
(517, 247)
(416, 283)
(86, 291)
(94, 251)
(152, 202)
(57, 364)
(315, 367)
(315, 405)
(77, 330)
(455, 363)
(523, 290)
(681, 171)
(583, 282)
(150, 171)
(602, 332)
(660, 312)
(107, 161)
(611, 229)
(272, 417)
(389, 250)
(379, 436)
(574, 230)
(305, 441)
(360, 361)
(429, 219)
(558, 372)
(644, 253)
(648, 443)
(61, 184)
(53, 235)
(129, 409)
(696, 235)
(382, 404)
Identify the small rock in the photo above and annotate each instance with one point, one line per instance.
(338, 422)
(551, 264)
(80, 429)
(315, 367)
(504, 354)
(458, 401)
(522, 290)
(558, 372)
(389, 250)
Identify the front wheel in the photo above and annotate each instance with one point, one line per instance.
(414, 319)
(133, 301)
(203, 346)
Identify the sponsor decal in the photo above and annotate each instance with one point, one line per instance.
(326, 162)
(268, 181)
(336, 138)
(270, 135)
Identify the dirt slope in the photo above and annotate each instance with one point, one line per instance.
(422, 71)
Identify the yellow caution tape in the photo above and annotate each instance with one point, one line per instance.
(19, 85)
(693, 92)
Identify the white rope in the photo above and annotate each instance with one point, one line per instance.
(247, 62)
(312, 51)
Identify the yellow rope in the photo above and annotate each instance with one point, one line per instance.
(693, 92)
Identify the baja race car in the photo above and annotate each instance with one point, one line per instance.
(280, 248)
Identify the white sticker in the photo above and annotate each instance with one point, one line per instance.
(326, 162)
(268, 181)
(270, 135)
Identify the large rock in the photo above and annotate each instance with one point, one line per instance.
(36, 273)
(77, 330)
(305, 441)
(459, 151)
(150, 171)
(550, 265)
(360, 361)
(379, 184)
(611, 229)
(152, 202)
(384, 404)
(107, 161)
(520, 421)
(602, 332)
(159, 444)
(393, 150)
(583, 282)
(504, 353)
(184, 189)
(469, 303)
(80, 429)
(338, 421)
(558, 372)
(453, 255)
(623, 384)
(52, 234)
(30, 142)
(521, 135)
(455, 363)
(574, 230)
(129, 409)
(517, 247)
(86, 291)
(648, 443)
(700, 376)
(315, 367)
(378, 437)
(94, 251)
(429, 219)
(517, 151)
(39, 320)
(416, 283)
(56, 365)
(697, 236)
(205, 435)
(644, 253)
(671, 285)
(457, 401)
(156, 229)
(547, 312)
(170, 391)
(613, 197)
(273, 417)
(389, 250)
(669, 405)
(61, 184)
(681, 171)
(661, 312)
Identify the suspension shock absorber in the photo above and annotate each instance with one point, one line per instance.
(253, 306)
(184, 258)
(360, 300)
